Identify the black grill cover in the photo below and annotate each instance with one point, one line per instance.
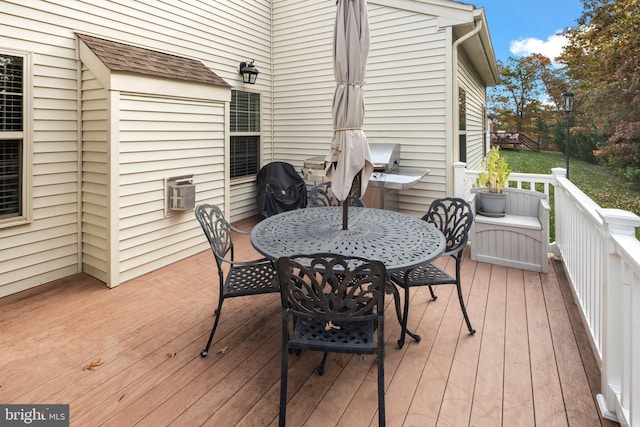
(280, 189)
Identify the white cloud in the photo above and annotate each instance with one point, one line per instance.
(551, 48)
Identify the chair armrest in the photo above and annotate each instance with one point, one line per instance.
(237, 230)
(246, 263)
(543, 213)
(544, 204)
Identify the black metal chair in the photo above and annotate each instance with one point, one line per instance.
(453, 216)
(243, 277)
(336, 304)
(321, 195)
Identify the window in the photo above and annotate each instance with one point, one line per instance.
(462, 120)
(12, 119)
(245, 133)
(484, 132)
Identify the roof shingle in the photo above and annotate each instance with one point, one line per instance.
(123, 57)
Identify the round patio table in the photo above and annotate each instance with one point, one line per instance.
(400, 241)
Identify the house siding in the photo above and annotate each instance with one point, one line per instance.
(162, 138)
(98, 207)
(402, 105)
(95, 177)
(48, 247)
(476, 99)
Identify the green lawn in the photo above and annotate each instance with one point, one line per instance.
(597, 182)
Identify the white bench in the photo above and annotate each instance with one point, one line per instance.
(519, 239)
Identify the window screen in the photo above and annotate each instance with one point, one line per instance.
(11, 128)
(245, 133)
(10, 165)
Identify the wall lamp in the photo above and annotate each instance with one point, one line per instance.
(249, 72)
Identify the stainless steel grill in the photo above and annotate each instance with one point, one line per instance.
(386, 180)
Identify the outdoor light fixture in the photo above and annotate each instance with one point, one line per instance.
(567, 106)
(567, 102)
(249, 72)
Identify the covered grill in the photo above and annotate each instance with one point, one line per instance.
(387, 179)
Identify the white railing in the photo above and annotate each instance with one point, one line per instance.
(465, 179)
(601, 257)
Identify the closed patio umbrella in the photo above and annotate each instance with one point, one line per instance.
(350, 155)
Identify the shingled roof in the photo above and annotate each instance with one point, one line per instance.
(123, 57)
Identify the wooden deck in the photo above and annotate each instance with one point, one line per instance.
(528, 364)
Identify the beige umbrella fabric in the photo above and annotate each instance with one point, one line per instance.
(350, 153)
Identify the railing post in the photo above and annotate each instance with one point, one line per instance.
(458, 179)
(556, 172)
(618, 354)
(559, 220)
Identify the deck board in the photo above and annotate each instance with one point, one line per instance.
(529, 362)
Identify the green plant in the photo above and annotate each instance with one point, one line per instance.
(495, 173)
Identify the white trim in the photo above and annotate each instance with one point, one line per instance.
(26, 136)
(448, 12)
(113, 174)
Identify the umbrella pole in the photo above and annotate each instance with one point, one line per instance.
(345, 215)
(356, 187)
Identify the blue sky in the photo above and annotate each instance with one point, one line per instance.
(522, 27)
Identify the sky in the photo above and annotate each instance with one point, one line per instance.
(521, 27)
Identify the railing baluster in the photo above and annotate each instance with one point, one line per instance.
(601, 256)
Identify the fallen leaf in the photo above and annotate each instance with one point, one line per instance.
(223, 350)
(121, 397)
(330, 325)
(92, 366)
(171, 355)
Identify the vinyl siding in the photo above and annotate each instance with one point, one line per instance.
(404, 91)
(476, 99)
(102, 211)
(95, 179)
(46, 248)
(161, 138)
(220, 34)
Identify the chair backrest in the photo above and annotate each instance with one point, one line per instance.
(321, 195)
(520, 201)
(217, 230)
(453, 216)
(332, 287)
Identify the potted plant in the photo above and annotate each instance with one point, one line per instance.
(492, 180)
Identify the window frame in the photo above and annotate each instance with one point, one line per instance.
(25, 135)
(245, 133)
(462, 124)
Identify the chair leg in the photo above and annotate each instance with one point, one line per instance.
(283, 387)
(216, 313)
(381, 407)
(464, 309)
(284, 370)
(321, 366)
(433, 294)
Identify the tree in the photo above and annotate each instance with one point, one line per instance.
(603, 60)
(518, 99)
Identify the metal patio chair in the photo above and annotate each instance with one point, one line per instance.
(332, 303)
(243, 277)
(321, 195)
(453, 216)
